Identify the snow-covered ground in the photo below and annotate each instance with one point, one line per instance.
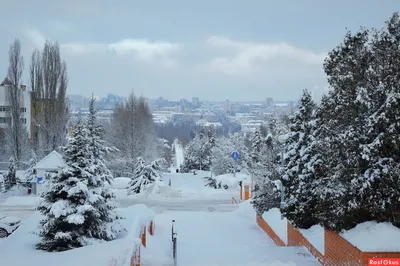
(179, 154)
(226, 238)
(23, 242)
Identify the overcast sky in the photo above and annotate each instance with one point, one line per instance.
(212, 49)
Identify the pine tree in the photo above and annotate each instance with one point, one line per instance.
(11, 176)
(299, 176)
(70, 216)
(143, 175)
(100, 182)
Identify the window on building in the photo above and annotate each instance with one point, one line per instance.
(5, 120)
(23, 120)
(23, 109)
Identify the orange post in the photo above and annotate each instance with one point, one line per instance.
(151, 228)
(144, 236)
(246, 192)
(241, 197)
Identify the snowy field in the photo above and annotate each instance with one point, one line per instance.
(187, 192)
(23, 242)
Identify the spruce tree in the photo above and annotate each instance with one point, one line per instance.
(100, 182)
(71, 219)
(299, 176)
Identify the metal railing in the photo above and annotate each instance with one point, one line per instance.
(174, 244)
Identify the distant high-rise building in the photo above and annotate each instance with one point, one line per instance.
(196, 102)
(269, 102)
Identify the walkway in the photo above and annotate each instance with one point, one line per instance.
(223, 239)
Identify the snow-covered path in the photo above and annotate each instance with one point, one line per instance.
(222, 239)
(179, 155)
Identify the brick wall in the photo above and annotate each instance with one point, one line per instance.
(338, 251)
(267, 229)
(296, 238)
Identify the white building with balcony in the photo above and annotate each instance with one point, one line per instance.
(5, 118)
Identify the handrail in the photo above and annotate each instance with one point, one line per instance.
(174, 244)
(234, 201)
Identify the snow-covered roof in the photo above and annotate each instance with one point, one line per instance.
(52, 161)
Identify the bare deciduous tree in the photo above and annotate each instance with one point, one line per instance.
(132, 131)
(49, 82)
(14, 96)
(36, 77)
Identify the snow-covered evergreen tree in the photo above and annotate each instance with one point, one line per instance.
(238, 142)
(165, 151)
(30, 173)
(198, 151)
(267, 197)
(299, 176)
(222, 162)
(264, 167)
(99, 184)
(143, 175)
(71, 219)
(11, 177)
(378, 186)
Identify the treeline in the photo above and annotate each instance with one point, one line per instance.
(186, 130)
(342, 156)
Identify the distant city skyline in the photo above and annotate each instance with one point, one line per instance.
(240, 50)
(190, 99)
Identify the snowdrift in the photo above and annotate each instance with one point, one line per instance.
(118, 251)
(230, 181)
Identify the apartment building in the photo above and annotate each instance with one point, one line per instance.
(5, 118)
